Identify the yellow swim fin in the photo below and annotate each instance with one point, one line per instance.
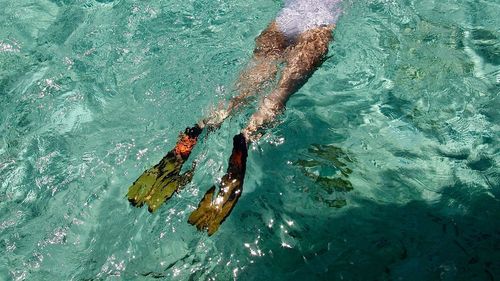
(158, 184)
(211, 212)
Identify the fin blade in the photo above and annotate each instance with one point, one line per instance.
(157, 184)
(202, 215)
(162, 190)
(141, 187)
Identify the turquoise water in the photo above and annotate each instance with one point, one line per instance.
(385, 165)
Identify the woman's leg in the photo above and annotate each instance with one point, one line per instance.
(269, 50)
(301, 59)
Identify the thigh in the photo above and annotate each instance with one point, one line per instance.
(271, 43)
(301, 59)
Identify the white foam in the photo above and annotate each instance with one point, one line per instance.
(300, 15)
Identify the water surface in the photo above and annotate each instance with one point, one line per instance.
(385, 165)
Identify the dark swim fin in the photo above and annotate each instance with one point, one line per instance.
(158, 184)
(212, 211)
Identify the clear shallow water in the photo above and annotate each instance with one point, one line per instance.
(384, 167)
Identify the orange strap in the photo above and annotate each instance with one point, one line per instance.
(184, 146)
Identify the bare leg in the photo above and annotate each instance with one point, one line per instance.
(268, 52)
(301, 60)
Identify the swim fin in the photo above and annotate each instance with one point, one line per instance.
(158, 184)
(211, 212)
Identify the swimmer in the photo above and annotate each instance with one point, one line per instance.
(298, 38)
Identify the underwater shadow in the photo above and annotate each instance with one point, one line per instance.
(454, 237)
(372, 241)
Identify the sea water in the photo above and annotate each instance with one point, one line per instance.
(385, 165)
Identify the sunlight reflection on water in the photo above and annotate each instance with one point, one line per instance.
(385, 163)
